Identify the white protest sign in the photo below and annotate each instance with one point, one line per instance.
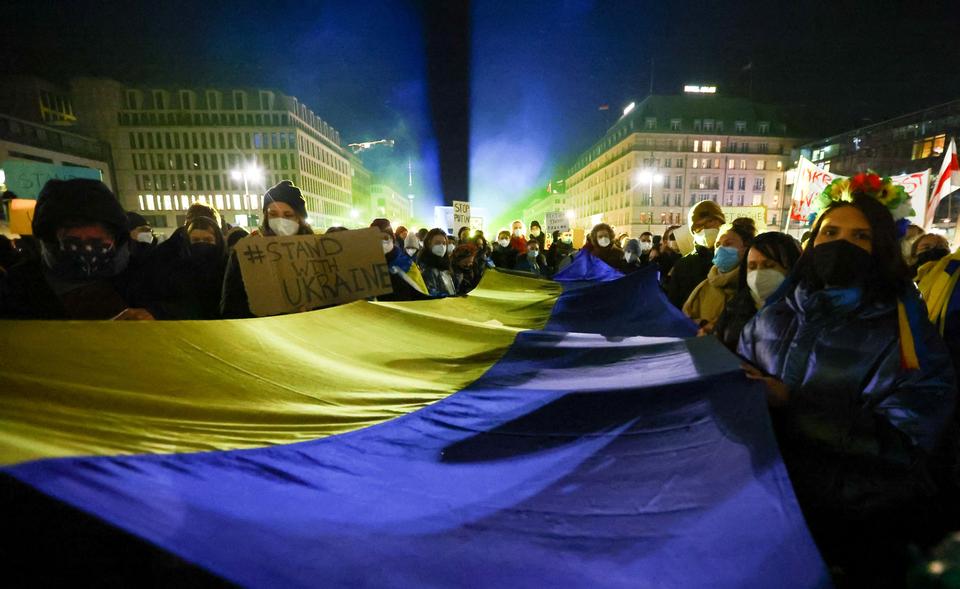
(461, 215)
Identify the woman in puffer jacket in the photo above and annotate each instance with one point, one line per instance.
(861, 390)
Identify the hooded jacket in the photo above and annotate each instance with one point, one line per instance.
(182, 286)
(31, 290)
(857, 428)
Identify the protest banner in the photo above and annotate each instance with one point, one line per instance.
(476, 224)
(917, 186)
(303, 272)
(461, 215)
(556, 221)
(811, 179)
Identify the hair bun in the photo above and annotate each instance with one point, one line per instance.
(744, 223)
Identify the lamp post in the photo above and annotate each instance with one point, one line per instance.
(649, 176)
(250, 173)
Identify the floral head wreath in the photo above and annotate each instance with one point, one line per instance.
(868, 183)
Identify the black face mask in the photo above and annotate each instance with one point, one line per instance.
(841, 263)
(204, 253)
(932, 255)
(82, 259)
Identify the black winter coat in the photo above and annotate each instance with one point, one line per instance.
(688, 272)
(736, 314)
(504, 257)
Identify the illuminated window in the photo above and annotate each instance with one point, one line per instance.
(731, 164)
(743, 164)
(696, 145)
(761, 164)
(167, 203)
(707, 146)
(718, 147)
(141, 201)
(150, 205)
(696, 163)
(779, 166)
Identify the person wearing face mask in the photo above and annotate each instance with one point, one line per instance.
(452, 243)
(142, 239)
(668, 254)
(411, 245)
(928, 248)
(84, 270)
(463, 267)
(405, 277)
(763, 269)
(704, 221)
(604, 248)
(561, 252)
(503, 255)
(537, 234)
(633, 256)
(859, 384)
(190, 286)
(646, 247)
(434, 263)
(517, 241)
(422, 235)
(708, 299)
(284, 214)
(532, 261)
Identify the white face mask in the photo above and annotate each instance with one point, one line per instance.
(707, 237)
(516, 232)
(535, 232)
(411, 251)
(533, 254)
(145, 237)
(450, 248)
(646, 246)
(567, 240)
(283, 227)
(504, 242)
(387, 247)
(603, 241)
(764, 282)
(630, 257)
(439, 250)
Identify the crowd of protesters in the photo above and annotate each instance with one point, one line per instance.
(857, 362)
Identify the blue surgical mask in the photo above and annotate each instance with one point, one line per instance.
(726, 258)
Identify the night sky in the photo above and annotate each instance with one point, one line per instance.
(539, 70)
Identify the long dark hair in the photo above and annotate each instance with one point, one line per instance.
(427, 258)
(889, 276)
(779, 247)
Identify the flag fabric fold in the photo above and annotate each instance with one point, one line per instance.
(578, 459)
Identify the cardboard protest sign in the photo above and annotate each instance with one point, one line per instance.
(302, 272)
(461, 215)
(557, 222)
(21, 215)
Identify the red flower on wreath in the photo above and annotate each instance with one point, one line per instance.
(866, 182)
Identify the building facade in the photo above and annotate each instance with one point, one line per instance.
(538, 209)
(668, 153)
(176, 146)
(910, 143)
(32, 153)
(385, 202)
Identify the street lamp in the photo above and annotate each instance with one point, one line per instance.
(649, 176)
(250, 174)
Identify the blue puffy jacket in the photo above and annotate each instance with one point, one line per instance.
(858, 429)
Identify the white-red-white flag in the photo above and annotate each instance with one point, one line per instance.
(947, 181)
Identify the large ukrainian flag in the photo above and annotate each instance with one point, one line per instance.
(517, 437)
